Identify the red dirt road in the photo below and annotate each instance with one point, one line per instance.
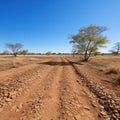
(47, 91)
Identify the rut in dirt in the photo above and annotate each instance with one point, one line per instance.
(53, 93)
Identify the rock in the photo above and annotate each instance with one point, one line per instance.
(8, 99)
(86, 107)
(103, 113)
(109, 96)
(112, 101)
(93, 104)
(101, 107)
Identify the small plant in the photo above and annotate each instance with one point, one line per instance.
(113, 71)
(101, 69)
(17, 63)
(13, 65)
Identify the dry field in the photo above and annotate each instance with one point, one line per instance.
(59, 88)
(108, 65)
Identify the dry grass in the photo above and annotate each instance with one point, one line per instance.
(105, 63)
(109, 65)
(8, 62)
(113, 71)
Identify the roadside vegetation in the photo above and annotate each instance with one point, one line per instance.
(88, 40)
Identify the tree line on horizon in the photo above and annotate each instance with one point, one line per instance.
(16, 49)
(86, 42)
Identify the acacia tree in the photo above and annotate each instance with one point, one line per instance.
(48, 53)
(14, 48)
(88, 40)
(116, 48)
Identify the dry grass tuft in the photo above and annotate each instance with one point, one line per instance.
(102, 69)
(113, 71)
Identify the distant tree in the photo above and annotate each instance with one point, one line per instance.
(116, 48)
(114, 53)
(54, 53)
(59, 53)
(39, 53)
(74, 51)
(48, 53)
(14, 48)
(24, 52)
(88, 40)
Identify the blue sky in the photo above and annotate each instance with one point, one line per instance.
(44, 25)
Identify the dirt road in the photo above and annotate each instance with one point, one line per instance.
(48, 90)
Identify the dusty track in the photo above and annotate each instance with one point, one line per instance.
(48, 91)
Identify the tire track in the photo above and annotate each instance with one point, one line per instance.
(44, 105)
(75, 100)
(51, 111)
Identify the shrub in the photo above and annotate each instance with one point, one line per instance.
(17, 63)
(113, 71)
(101, 69)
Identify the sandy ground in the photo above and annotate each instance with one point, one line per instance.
(49, 89)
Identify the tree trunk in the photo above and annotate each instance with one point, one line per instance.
(15, 54)
(86, 57)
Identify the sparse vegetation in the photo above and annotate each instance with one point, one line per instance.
(48, 53)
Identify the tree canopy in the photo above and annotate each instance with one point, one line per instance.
(88, 40)
(14, 48)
